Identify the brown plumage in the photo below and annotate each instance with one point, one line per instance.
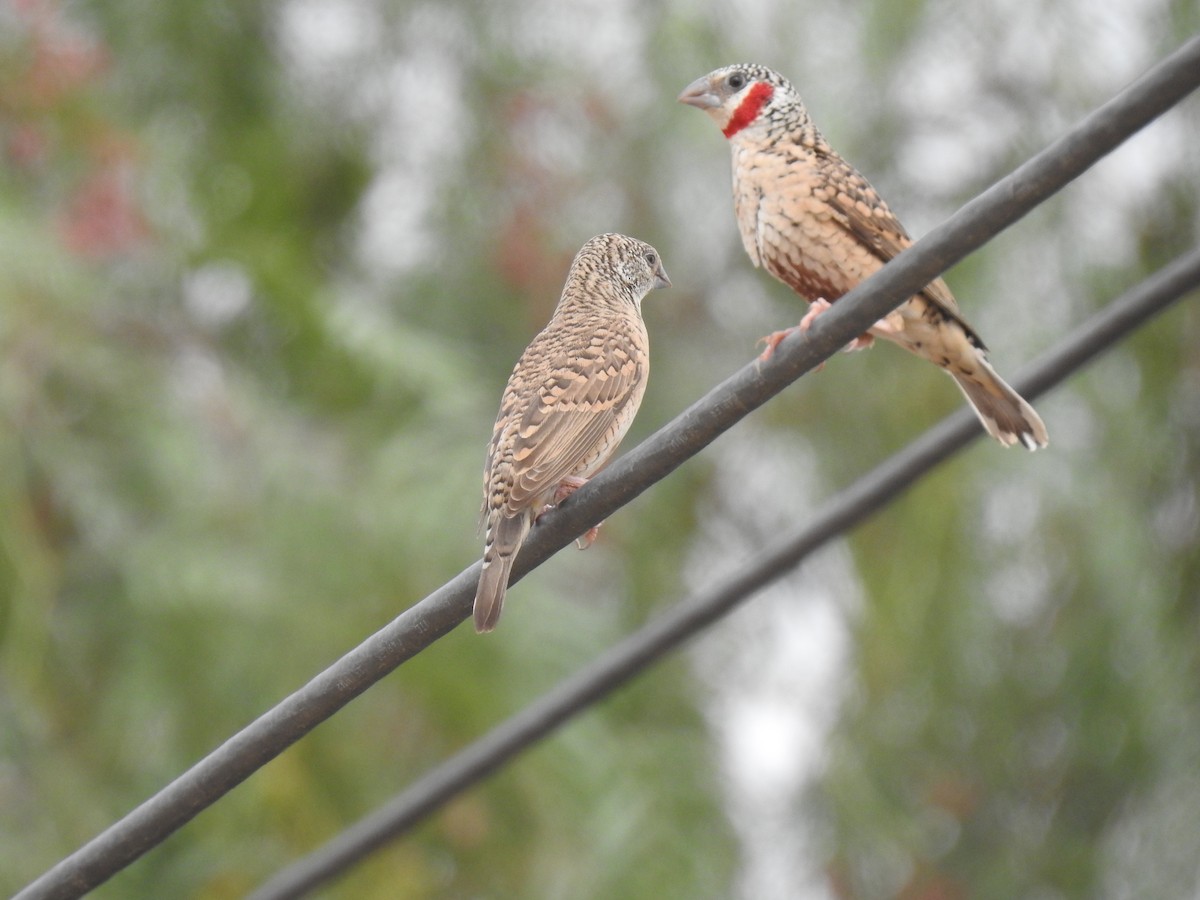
(569, 401)
(812, 221)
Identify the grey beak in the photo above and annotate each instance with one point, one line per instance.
(700, 94)
(660, 277)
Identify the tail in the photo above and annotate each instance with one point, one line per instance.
(1003, 412)
(504, 539)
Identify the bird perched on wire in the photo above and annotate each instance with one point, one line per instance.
(813, 222)
(569, 401)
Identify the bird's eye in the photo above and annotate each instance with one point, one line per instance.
(652, 260)
(737, 81)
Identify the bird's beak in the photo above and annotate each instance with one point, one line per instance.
(660, 277)
(700, 94)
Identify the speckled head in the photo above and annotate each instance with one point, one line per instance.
(634, 265)
(741, 96)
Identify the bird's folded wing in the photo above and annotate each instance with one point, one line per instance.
(575, 418)
(863, 213)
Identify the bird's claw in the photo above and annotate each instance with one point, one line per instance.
(773, 340)
(588, 538)
(565, 489)
(815, 309)
(863, 342)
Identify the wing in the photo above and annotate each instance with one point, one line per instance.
(575, 416)
(859, 209)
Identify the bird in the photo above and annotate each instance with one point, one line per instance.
(812, 221)
(569, 401)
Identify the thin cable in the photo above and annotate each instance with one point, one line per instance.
(419, 626)
(652, 642)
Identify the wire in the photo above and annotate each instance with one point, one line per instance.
(652, 642)
(418, 627)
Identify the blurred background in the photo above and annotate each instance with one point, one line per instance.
(264, 270)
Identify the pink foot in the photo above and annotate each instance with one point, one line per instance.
(815, 309)
(772, 341)
(588, 538)
(565, 489)
(775, 338)
(862, 342)
(820, 305)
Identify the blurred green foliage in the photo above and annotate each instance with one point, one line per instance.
(264, 268)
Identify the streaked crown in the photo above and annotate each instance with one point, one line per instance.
(632, 266)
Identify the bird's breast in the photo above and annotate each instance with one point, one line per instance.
(792, 232)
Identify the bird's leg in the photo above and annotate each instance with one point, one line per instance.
(775, 337)
(565, 489)
(588, 538)
(862, 342)
(815, 308)
(773, 340)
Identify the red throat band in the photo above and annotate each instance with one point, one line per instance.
(748, 110)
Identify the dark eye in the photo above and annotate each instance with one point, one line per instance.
(652, 260)
(737, 81)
